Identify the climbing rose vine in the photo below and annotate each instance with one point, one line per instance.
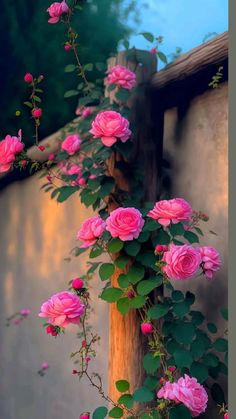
(152, 246)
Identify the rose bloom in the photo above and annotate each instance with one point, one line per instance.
(211, 261)
(187, 391)
(125, 223)
(182, 262)
(171, 211)
(9, 147)
(56, 10)
(90, 231)
(121, 76)
(109, 126)
(74, 169)
(62, 309)
(71, 144)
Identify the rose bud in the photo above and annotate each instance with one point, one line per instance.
(147, 328)
(85, 415)
(77, 283)
(159, 248)
(37, 112)
(28, 78)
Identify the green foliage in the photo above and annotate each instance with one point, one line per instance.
(126, 400)
(116, 412)
(151, 363)
(122, 386)
(106, 270)
(143, 395)
(111, 295)
(115, 245)
(158, 311)
(180, 411)
(147, 285)
(100, 412)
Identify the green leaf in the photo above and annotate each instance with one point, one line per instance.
(132, 248)
(101, 66)
(199, 371)
(143, 236)
(162, 237)
(224, 313)
(210, 360)
(191, 237)
(122, 261)
(147, 285)
(111, 295)
(180, 412)
(115, 245)
(202, 336)
(184, 332)
(29, 104)
(183, 358)
(151, 382)
(69, 68)
(65, 192)
(199, 231)
(158, 311)
(122, 386)
(37, 99)
(146, 258)
(122, 95)
(123, 305)
(88, 67)
(123, 281)
(151, 225)
(221, 345)
(100, 412)
(143, 395)
(217, 394)
(137, 302)
(162, 57)
(148, 36)
(176, 229)
(197, 317)
(189, 298)
(116, 412)
(197, 349)
(127, 400)
(212, 327)
(71, 93)
(94, 253)
(106, 270)
(151, 363)
(181, 309)
(177, 296)
(107, 186)
(136, 273)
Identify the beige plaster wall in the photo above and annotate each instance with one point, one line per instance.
(36, 235)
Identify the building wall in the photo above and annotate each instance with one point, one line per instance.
(36, 235)
(196, 145)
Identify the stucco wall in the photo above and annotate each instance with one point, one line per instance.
(36, 235)
(196, 145)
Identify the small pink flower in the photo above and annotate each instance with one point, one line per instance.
(110, 126)
(25, 312)
(37, 113)
(86, 112)
(9, 148)
(28, 78)
(85, 415)
(67, 47)
(77, 283)
(82, 181)
(153, 51)
(182, 262)
(41, 147)
(211, 261)
(171, 211)
(45, 366)
(90, 231)
(56, 10)
(172, 369)
(16, 321)
(187, 391)
(84, 344)
(92, 177)
(125, 223)
(159, 248)
(71, 144)
(51, 330)
(147, 328)
(74, 170)
(226, 416)
(51, 157)
(88, 359)
(121, 76)
(63, 309)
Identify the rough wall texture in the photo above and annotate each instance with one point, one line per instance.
(195, 143)
(36, 235)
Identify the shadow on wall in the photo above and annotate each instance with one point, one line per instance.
(36, 235)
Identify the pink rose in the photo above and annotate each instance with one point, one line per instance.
(182, 262)
(9, 147)
(62, 309)
(210, 260)
(109, 126)
(125, 223)
(121, 76)
(56, 10)
(71, 144)
(91, 230)
(75, 170)
(171, 211)
(187, 391)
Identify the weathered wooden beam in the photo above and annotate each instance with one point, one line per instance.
(197, 60)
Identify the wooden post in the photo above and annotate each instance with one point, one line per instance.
(125, 340)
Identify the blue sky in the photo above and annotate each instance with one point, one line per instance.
(182, 23)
